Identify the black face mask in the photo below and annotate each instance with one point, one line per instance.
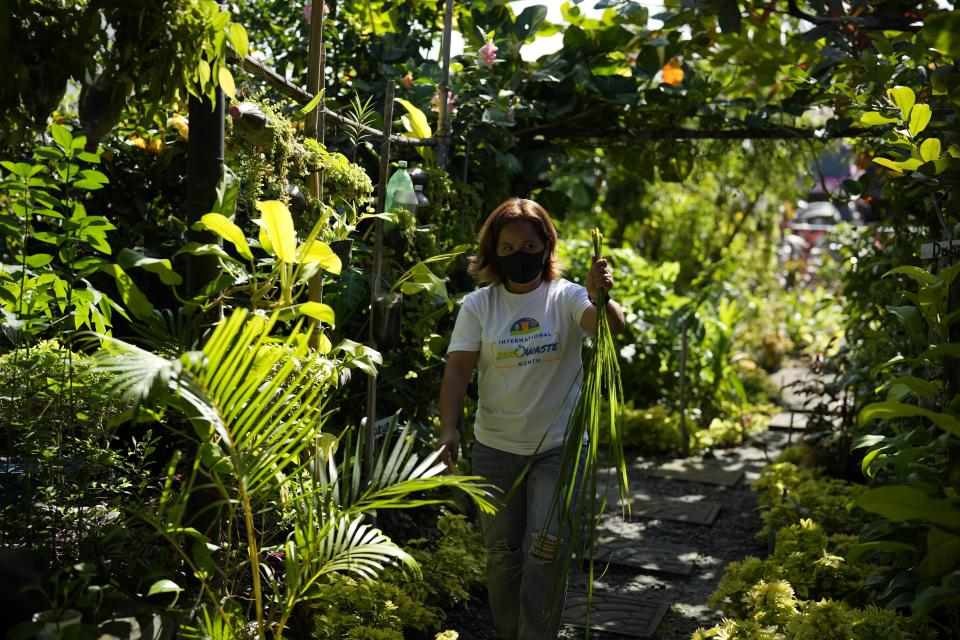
(521, 267)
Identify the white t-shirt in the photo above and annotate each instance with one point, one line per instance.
(529, 364)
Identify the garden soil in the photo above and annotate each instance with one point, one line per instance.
(732, 536)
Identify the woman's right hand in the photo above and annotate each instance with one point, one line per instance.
(449, 446)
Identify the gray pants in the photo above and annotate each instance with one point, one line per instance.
(524, 549)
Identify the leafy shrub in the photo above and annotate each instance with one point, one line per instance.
(805, 557)
(792, 493)
(654, 430)
(771, 603)
(376, 610)
(453, 568)
(823, 620)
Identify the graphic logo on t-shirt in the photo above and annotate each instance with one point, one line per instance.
(524, 326)
(528, 343)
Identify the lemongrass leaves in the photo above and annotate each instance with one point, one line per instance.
(580, 499)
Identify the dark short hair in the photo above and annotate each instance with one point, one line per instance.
(484, 267)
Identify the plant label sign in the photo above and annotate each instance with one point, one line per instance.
(937, 250)
(383, 425)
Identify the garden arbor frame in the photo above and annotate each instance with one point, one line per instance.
(570, 129)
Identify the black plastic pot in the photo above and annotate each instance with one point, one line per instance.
(386, 320)
(344, 250)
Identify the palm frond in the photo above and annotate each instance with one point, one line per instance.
(134, 373)
(400, 479)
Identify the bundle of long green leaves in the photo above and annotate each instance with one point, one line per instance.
(581, 497)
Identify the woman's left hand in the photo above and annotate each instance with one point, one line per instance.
(599, 277)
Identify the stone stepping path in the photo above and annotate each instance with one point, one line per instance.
(697, 471)
(617, 613)
(649, 555)
(788, 420)
(664, 570)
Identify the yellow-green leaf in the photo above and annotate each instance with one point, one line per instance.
(238, 38)
(324, 345)
(227, 83)
(203, 71)
(872, 118)
(902, 98)
(919, 118)
(417, 121)
(889, 164)
(322, 254)
(317, 311)
(277, 222)
(930, 149)
(226, 229)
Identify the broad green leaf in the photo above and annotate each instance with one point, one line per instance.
(62, 135)
(317, 311)
(324, 345)
(873, 118)
(919, 119)
(868, 460)
(203, 71)
(277, 223)
(132, 297)
(858, 551)
(419, 125)
(930, 149)
(225, 79)
(867, 440)
(238, 38)
(321, 254)
(226, 229)
(888, 410)
(943, 555)
(38, 260)
(128, 258)
(902, 504)
(164, 586)
(942, 32)
(921, 388)
(902, 98)
(197, 249)
(920, 275)
(942, 350)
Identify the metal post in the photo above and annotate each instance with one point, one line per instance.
(313, 128)
(443, 130)
(684, 436)
(369, 446)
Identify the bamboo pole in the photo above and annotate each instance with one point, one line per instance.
(313, 128)
(369, 445)
(443, 130)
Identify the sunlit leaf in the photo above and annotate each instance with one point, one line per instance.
(919, 119)
(321, 254)
(872, 118)
(902, 98)
(419, 125)
(930, 149)
(228, 230)
(277, 223)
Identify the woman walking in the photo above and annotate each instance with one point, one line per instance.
(523, 332)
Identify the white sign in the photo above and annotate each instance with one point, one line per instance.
(936, 250)
(383, 425)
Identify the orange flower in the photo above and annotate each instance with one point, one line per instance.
(672, 73)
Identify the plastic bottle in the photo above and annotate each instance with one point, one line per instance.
(400, 192)
(421, 198)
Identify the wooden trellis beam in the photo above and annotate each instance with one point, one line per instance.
(275, 80)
